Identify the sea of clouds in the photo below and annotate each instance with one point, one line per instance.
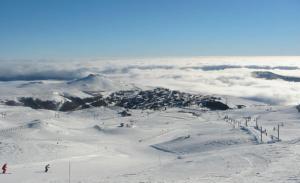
(209, 75)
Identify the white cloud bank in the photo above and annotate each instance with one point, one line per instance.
(217, 75)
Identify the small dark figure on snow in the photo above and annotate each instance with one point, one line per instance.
(4, 168)
(47, 167)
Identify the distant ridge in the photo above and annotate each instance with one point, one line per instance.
(271, 76)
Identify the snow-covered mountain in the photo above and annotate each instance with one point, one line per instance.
(102, 128)
(97, 82)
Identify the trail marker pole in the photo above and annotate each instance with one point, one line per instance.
(278, 132)
(159, 159)
(69, 172)
(261, 134)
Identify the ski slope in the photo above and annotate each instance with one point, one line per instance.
(157, 146)
(180, 144)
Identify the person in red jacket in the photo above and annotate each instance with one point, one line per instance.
(4, 168)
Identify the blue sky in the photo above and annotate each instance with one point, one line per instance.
(148, 28)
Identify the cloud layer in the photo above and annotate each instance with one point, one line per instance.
(38, 71)
(217, 75)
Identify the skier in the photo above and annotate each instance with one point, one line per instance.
(4, 168)
(47, 167)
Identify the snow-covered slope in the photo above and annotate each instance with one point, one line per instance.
(97, 82)
(162, 146)
(55, 90)
(132, 143)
